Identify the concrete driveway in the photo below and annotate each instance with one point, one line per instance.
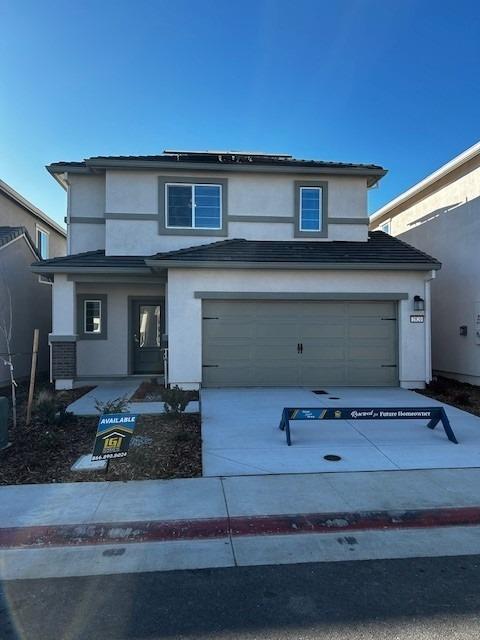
(241, 436)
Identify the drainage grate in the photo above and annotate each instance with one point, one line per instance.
(331, 457)
(320, 392)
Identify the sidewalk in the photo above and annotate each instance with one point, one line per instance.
(88, 528)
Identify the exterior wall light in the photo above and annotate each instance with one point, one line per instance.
(418, 304)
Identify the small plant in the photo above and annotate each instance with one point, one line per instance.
(462, 397)
(175, 400)
(48, 411)
(117, 405)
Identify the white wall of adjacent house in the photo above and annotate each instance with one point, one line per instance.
(136, 193)
(445, 222)
(184, 310)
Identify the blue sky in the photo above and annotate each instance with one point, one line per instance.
(394, 82)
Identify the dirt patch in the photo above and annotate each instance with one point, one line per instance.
(459, 394)
(164, 446)
(153, 392)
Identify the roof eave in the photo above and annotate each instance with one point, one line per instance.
(430, 180)
(238, 264)
(16, 197)
(373, 175)
(49, 269)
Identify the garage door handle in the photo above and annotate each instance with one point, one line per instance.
(389, 366)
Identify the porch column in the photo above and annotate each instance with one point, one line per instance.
(63, 352)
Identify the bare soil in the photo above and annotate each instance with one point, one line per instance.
(459, 394)
(154, 392)
(165, 446)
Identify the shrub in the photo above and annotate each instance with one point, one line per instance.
(175, 400)
(117, 405)
(49, 411)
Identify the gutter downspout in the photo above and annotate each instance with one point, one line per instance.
(428, 327)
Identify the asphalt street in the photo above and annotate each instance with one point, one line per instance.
(426, 598)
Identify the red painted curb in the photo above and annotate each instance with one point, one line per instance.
(210, 528)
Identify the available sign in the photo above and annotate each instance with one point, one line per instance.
(114, 432)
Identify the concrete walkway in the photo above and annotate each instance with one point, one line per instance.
(241, 436)
(85, 406)
(114, 527)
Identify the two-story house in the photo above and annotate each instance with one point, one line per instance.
(243, 269)
(441, 214)
(26, 233)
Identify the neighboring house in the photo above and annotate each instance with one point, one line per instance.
(441, 214)
(254, 269)
(26, 233)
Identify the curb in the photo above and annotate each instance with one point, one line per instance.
(238, 526)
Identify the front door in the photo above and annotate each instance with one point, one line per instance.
(147, 327)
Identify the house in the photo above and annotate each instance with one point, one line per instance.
(26, 233)
(441, 215)
(233, 269)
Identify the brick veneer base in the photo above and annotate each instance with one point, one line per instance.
(64, 360)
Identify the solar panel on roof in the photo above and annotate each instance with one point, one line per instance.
(227, 152)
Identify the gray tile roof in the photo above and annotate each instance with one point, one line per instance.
(7, 234)
(381, 249)
(94, 259)
(224, 158)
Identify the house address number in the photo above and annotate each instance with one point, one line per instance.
(417, 319)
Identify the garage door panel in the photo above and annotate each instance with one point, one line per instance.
(255, 343)
(315, 374)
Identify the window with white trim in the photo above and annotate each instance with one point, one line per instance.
(311, 208)
(92, 316)
(42, 242)
(386, 227)
(193, 206)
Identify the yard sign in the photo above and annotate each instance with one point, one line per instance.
(434, 415)
(114, 432)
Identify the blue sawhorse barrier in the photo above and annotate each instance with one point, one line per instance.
(434, 415)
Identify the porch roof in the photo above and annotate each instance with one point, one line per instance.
(381, 251)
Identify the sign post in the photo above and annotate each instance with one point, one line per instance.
(113, 436)
(434, 415)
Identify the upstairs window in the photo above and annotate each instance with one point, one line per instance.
(311, 209)
(193, 206)
(42, 242)
(385, 227)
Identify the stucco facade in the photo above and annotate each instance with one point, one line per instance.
(31, 297)
(441, 216)
(117, 211)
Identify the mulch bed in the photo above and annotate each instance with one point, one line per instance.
(154, 392)
(170, 447)
(459, 394)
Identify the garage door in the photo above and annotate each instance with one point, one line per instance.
(283, 343)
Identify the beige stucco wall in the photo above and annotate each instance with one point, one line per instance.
(184, 311)
(447, 197)
(31, 306)
(14, 215)
(137, 193)
(445, 222)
